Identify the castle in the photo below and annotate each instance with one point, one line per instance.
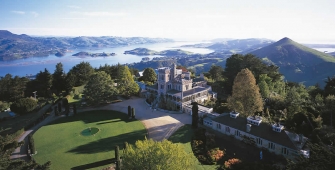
(177, 90)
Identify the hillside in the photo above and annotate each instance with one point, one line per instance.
(297, 62)
(168, 53)
(233, 46)
(13, 46)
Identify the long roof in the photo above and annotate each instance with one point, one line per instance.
(264, 130)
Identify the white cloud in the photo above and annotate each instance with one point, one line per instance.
(100, 14)
(73, 6)
(18, 12)
(35, 14)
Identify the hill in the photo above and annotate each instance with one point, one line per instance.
(13, 46)
(168, 53)
(232, 46)
(297, 62)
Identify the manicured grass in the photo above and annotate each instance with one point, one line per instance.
(183, 136)
(63, 144)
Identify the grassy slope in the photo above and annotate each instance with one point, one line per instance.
(62, 143)
(183, 136)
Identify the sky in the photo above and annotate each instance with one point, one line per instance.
(308, 21)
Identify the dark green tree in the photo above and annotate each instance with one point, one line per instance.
(59, 107)
(43, 83)
(74, 109)
(23, 105)
(31, 144)
(149, 76)
(133, 113)
(100, 88)
(216, 72)
(330, 86)
(58, 79)
(81, 73)
(195, 115)
(129, 111)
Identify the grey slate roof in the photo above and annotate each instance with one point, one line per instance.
(264, 130)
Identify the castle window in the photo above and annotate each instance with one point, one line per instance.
(272, 145)
(284, 151)
(186, 87)
(259, 141)
(162, 86)
(169, 86)
(162, 77)
(237, 133)
(227, 129)
(218, 126)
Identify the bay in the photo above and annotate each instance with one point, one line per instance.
(33, 65)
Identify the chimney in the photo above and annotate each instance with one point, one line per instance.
(248, 127)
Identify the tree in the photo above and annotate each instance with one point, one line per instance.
(153, 155)
(100, 88)
(81, 73)
(330, 104)
(7, 146)
(330, 86)
(43, 83)
(133, 113)
(58, 79)
(23, 105)
(195, 115)
(129, 111)
(125, 82)
(74, 109)
(245, 98)
(149, 76)
(216, 72)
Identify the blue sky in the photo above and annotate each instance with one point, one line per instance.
(303, 21)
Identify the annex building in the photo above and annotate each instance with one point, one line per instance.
(265, 136)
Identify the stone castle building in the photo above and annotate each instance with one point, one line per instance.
(179, 90)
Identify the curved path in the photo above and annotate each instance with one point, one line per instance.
(159, 125)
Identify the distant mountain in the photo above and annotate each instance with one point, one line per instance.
(168, 53)
(232, 46)
(13, 46)
(297, 62)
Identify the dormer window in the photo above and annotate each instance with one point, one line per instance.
(234, 114)
(277, 127)
(254, 120)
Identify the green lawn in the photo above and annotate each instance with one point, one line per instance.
(63, 144)
(184, 136)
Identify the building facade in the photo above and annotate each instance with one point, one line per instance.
(177, 88)
(271, 137)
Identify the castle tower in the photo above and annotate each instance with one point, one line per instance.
(174, 70)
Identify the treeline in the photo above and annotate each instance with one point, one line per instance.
(59, 83)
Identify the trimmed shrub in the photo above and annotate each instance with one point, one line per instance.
(133, 113)
(74, 109)
(215, 155)
(59, 107)
(23, 105)
(31, 144)
(129, 111)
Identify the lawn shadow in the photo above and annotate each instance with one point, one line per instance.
(108, 144)
(183, 135)
(99, 116)
(111, 121)
(95, 164)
